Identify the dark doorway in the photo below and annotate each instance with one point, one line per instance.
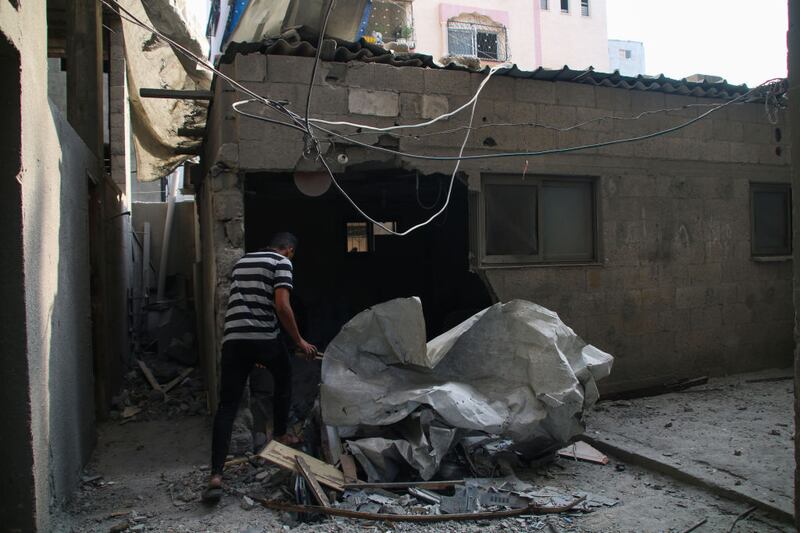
(345, 264)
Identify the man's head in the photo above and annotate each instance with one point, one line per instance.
(284, 243)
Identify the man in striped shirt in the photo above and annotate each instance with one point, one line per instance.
(258, 302)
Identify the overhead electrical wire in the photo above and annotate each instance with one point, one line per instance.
(307, 125)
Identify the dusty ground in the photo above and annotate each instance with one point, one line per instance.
(153, 472)
(733, 431)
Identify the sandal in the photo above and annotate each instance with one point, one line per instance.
(213, 492)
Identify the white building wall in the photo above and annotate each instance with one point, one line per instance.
(537, 37)
(430, 25)
(573, 39)
(617, 52)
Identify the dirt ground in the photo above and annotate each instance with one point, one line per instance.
(153, 471)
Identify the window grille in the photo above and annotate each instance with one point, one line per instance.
(489, 43)
(585, 8)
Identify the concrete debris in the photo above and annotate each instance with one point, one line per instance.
(513, 370)
(247, 503)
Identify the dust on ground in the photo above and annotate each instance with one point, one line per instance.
(153, 469)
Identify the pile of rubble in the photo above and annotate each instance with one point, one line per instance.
(506, 388)
(159, 389)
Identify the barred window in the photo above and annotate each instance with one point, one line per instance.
(585, 8)
(477, 40)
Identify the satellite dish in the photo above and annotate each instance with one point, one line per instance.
(312, 183)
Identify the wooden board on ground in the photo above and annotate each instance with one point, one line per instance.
(581, 450)
(349, 468)
(169, 386)
(311, 479)
(430, 485)
(149, 375)
(284, 456)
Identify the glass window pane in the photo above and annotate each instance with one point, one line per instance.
(460, 41)
(568, 221)
(511, 220)
(357, 237)
(487, 45)
(544, 4)
(565, 6)
(771, 232)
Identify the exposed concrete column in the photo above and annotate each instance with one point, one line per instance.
(119, 111)
(793, 41)
(85, 72)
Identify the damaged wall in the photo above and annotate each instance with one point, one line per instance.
(48, 415)
(673, 282)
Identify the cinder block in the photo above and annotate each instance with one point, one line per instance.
(744, 153)
(575, 95)
(228, 205)
(234, 232)
(398, 79)
(410, 105)
(224, 181)
(251, 67)
(498, 88)
(329, 100)
(289, 69)
(727, 130)
(610, 99)
(374, 103)
(705, 274)
(434, 106)
(226, 258)
(275, 153)
(646, 101)
(540, 92)
(448, 82)
(557, 116)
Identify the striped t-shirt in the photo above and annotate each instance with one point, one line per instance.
(251, 305)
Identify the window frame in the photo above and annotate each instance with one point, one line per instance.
(500, 32)
(539, 181)
(760, 186)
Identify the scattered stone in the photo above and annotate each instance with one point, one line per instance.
(737, 452)
(619, 467)
(247, 503)
(122, 526)
(774, 432)
(668, 425)
(156, 395)
(261, 476)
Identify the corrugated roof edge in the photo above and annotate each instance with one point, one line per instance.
(363, 51)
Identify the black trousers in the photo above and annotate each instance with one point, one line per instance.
(238, 359)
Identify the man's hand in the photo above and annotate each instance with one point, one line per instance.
(308, 350)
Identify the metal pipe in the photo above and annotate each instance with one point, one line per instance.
(162, 267)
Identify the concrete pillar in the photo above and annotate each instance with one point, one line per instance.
(85, 72)
(119, 111)
(793, 41)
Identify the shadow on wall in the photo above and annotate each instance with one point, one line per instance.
(16, 481)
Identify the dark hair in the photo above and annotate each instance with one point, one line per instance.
(282, 241)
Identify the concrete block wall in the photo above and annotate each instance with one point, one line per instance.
(674, 291)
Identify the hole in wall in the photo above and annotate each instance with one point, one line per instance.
(488, 141)
(778, 135)
(778, 151)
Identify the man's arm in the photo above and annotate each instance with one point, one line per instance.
(286, 315)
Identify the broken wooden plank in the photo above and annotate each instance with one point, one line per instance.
(656, 390)
(312, 482)
(284, 456)
(585, 452)
(131, 411)
(169, 386)
(349, 468)
(149, 376)
(430, 485)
